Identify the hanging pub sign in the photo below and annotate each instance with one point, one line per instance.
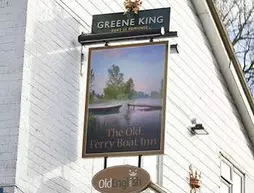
(121, 22)
(125, 101)
(122, 178)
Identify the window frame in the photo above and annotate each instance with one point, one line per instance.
(227, 184)
(242, 175)
(233, 169)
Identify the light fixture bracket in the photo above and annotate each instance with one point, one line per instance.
(198, 129)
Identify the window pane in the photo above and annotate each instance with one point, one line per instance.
(226, 171)
(237, 183)
(224, 188)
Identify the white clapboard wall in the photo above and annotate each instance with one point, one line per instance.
(51, 102)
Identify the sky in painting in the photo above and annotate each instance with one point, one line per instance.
(144, 64)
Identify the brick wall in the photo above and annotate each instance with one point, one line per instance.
(12, 36)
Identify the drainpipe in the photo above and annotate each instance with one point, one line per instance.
(159, 169)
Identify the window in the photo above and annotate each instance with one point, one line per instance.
(232, 179)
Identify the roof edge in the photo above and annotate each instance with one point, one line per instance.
(228, 62)
(231, 52)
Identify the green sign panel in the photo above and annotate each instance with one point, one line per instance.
(120, 22)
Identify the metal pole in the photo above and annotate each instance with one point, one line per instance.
(105, 162)
(81, 61)
(139, 161)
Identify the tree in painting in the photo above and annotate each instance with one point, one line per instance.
(114, 83)
(129, 90)
(91, 91)
(116, 88)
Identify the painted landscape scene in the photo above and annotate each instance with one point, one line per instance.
(125, 99)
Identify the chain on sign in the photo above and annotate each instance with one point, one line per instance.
(132, 5)
(195, 179)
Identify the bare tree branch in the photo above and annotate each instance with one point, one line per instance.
(238, 18)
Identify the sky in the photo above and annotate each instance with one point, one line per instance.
(144, 64)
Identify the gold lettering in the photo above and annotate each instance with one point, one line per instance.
(126, 142)
(101, 144)
(147, 142)
(131, 131)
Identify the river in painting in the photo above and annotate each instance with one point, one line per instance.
(142, 122)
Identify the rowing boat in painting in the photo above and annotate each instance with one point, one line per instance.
(104, 109)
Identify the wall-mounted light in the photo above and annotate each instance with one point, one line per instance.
(197, 128)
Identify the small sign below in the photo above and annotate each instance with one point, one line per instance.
(120, 22)
(123, 178)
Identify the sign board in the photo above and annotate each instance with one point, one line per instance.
(120, 22)
(125, 101)
(124, 179)
(1, 190)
